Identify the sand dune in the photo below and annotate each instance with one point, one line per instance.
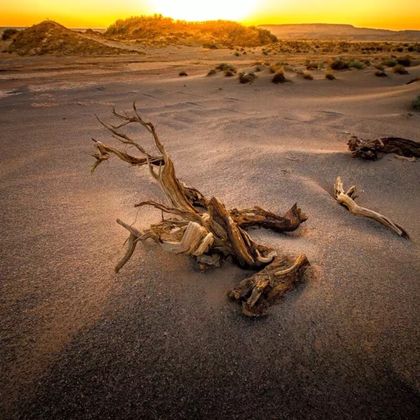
(161, 339)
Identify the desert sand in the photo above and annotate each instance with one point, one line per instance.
(160, 339)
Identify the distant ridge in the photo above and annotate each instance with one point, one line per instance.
(326, 31)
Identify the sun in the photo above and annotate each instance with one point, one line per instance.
(199, 10)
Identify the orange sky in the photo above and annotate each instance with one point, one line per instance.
(402, 14)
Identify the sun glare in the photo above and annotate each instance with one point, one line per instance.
(199, 10)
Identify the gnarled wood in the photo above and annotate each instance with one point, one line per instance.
(202, 227)
(347, 200)
(258, 292)
(261, 218)
(374, 149)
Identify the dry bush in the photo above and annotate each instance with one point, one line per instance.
(356, 64)
(212, 72)
(163, 30)
(329, 76)
(416, 104)
(399, 69)
(307, 76)
(390, 62)
(339, 64)
(226, 67)
(312, 66)
(183, 74)
(380, 73)
(9, 34)
(279, 77)
(404, 61)
(245, 78)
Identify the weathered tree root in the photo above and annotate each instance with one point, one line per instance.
(375, 149)
(347, 200)
(203, 228)
(264, 288)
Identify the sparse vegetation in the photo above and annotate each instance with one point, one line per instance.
(247, 77)
(399, 69)
(161, 30)
(183, 74)
(311, 65)
(226, 67)
(230, 73)
(9, 34)
(329, 76)
(339, 64)
(307, 76)
(404, 61)
(380, 73)
(212, 72)
(390, 62)
(356, 64)
(49, 37)
(416, 104)
(279, 77)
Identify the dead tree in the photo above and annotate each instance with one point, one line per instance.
(346, 199)
(203, 228)
(375, 149)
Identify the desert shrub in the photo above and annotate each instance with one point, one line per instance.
(9, 34)
(247, 77)
(356, 64)
(230, 73)
(212, 72)
(399, 69)
(379, 67)
(329, 76)
(159, 29)
(404, 61)
(237, 54)
(307, 76)
(279, 77)
(416, 104)
(380, 73)
(311, 66)
(339, 64)
(183, 74)
(226, 67)
(390, 62)
(211, 46)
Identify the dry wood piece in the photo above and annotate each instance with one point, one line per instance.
(374, 149)
(264, 288)
(347, 200)
(203, 228)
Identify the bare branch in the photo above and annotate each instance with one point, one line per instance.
(347, 200)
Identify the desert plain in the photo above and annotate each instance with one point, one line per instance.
(160, 339)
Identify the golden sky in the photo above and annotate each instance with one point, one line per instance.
(393, 14)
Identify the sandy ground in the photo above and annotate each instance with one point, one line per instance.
(160, 340)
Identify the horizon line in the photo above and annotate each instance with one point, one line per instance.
(225, 20)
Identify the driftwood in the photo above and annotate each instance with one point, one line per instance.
(204, 228)
(374, 149)
(346, 198)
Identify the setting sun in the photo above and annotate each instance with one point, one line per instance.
(205, 10)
